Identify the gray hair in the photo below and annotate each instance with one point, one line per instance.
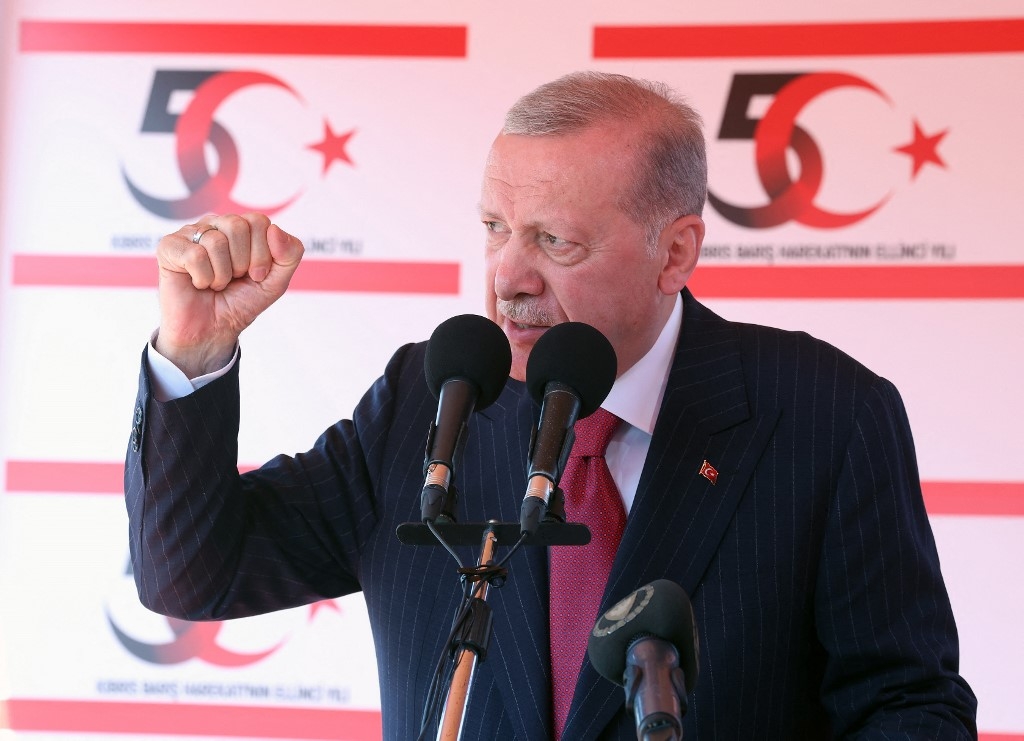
(672, 172)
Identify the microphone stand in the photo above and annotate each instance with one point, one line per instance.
(471, 640)
(657, 706)
(471, 647)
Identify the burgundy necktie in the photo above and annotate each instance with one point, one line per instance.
(579, 573)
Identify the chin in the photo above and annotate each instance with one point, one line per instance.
(518, 371)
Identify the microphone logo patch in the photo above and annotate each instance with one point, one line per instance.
(623, 611)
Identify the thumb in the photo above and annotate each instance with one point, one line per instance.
(286, 252)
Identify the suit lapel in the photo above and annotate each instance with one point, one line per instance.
(679, 516)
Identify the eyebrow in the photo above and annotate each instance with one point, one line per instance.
(487, 214)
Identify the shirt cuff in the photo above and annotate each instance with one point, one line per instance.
(167, 381)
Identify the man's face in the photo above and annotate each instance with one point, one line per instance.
(559, 247)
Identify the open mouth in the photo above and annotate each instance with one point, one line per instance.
(524, 332)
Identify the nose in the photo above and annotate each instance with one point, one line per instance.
(516, 272)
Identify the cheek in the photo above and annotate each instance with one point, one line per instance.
(621, 309)
(591, 297)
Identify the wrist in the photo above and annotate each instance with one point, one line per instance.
(196, 359)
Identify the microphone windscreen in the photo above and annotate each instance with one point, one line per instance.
(472, 348)
(577, 355)
(660, 609)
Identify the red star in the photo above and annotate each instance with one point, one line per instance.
(923, 149)
(333, 147)
(324, 604)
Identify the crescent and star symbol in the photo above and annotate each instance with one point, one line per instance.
(777, 133)
(923, 149)
(774, 136)
(198, 640)
(333, 147)
(195, 128)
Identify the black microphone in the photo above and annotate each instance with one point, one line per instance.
(569, 373)
(648, 642)
(467, 364)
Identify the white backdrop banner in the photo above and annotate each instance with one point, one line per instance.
(865, 173)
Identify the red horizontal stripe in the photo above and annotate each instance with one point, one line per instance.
(92, 716)
(85, 716)
(84, 270)
(810, 39)
(63, 477)
(68, 477)
(709, 281)
(313, 275)
(243, 38)
(377, 277)
(973, 498)
(862, 281)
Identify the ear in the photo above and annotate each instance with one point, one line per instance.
(679, 246)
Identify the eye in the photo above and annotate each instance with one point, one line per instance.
(552, 241)
(495, 226)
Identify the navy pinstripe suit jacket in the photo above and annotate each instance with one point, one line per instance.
(811, 564)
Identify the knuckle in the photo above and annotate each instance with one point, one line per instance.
(233, 227)
(169, 244)
(258, 221)
(195, 258)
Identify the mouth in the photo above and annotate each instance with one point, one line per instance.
(523, 322)
(524, 332)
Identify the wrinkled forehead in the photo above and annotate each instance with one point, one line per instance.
(596, 159)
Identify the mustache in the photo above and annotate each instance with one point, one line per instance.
(525, 312)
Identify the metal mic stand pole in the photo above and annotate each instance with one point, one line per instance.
(450, 727)
(473, 636)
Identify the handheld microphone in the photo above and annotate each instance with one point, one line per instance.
(466, 366)
(648, 643)
(569, 373)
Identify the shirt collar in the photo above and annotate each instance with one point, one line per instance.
(636, 395)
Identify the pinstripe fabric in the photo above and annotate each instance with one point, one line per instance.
(810, 562)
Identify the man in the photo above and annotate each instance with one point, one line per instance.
(770, 475)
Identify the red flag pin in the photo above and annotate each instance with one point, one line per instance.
(709, 472)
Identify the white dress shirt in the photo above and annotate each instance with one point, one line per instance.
(636, 400)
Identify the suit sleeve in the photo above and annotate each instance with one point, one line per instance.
(208, 544)
(882, 610)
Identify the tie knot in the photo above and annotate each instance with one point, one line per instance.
(593, 433)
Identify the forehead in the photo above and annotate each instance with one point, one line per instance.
(589, 168)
